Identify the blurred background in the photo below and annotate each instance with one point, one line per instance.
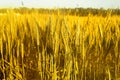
(60, 3)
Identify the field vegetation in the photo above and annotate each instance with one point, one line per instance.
(57, 46)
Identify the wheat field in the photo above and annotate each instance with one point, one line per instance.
(36, 46)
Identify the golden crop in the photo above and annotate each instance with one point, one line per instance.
(35, 46)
